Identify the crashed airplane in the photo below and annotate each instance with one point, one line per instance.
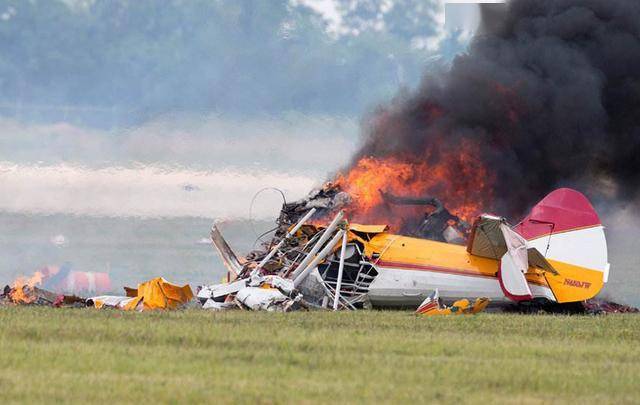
(557, 255)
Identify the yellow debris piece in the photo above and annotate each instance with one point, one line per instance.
(160, 294)
(368, 228)
(431, 306)
(157, 293)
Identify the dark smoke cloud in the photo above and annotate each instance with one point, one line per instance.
(551, 94)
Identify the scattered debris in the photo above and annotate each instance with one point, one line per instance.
(599, 306)
(432, 306)
(153, 294)
(24, 294)
(270, 279)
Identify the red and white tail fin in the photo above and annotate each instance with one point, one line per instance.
(566, 229)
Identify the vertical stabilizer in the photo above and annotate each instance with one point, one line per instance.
(566, 229)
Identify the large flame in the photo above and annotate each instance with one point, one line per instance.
(456, 176)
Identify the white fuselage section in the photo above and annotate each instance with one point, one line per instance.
(406, 287)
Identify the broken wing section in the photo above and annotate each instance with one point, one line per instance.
(154, 294)
(229, 259)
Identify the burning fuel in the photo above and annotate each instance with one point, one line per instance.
(456, 176)
(20, 293)
(547, 97)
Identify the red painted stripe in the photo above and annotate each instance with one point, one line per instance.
(440, 269)
(427, 307)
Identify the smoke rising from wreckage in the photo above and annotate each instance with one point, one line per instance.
(544, 99)
(555, 259)
(547, 97)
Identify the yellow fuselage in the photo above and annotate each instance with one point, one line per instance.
(451, 268)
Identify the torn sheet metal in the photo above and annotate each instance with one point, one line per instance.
(266, 299)
(218, 306)
(221, 290)
(229, 259)
(432, 306)
(313, 289)
(110, 301)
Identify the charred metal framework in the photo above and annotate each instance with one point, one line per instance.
(435, 223)
(357, 276)
(308, 257)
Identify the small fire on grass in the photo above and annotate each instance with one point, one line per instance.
(22, 289)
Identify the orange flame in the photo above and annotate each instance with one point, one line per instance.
(20, 291)
(456, 176)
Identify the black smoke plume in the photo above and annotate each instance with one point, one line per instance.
(551, 95)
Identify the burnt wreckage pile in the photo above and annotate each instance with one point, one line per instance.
(304, 266)
(437, 224)
(299, 269)
(24, 294)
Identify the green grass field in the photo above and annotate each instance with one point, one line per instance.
(86, 355)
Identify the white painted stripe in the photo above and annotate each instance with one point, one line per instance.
(402, 286)
(583, 247)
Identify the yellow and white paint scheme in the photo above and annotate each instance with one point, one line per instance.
(409, 269)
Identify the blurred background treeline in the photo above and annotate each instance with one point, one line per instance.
(111, 63)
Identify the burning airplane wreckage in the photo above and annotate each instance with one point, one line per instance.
(61, 287)
(154, 294)
(555, 259)
(541, 98)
